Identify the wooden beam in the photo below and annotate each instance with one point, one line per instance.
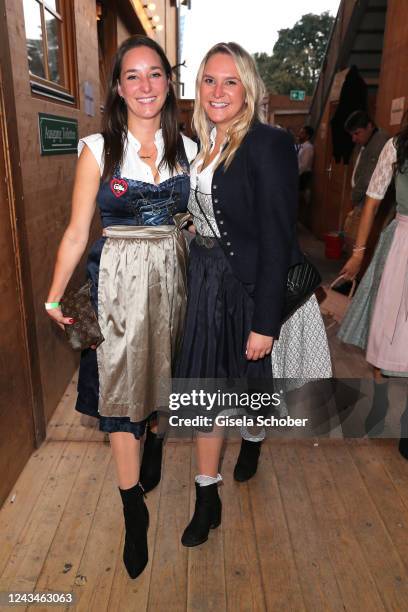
(142, 16)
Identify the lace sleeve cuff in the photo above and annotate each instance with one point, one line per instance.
(383, 173)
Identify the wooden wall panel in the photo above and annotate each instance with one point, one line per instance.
(160, 36)
(289, 121)
(47, 185)
(394, 66)
(171, 27)
(314, 216)
(167, 37)
(331, 181)
(123, 31)
(185, 113)
(17, 439)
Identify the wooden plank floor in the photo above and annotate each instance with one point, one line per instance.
(323, 526)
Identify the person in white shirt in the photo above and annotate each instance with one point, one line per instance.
(305, 154)
(370, 141)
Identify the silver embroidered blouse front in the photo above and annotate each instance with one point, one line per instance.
(201, 189)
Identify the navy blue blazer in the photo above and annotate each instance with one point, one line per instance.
(255, 205)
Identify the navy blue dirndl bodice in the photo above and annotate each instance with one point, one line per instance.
(124, 201)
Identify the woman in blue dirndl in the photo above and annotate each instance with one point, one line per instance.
(137, 172)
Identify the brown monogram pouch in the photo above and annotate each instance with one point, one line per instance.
(85, 332)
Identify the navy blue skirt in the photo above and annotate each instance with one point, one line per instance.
(218, 321)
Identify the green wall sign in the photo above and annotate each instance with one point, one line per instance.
(297, 94)
(58, 135)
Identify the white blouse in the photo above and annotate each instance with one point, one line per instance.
(305, 157)
(200, 182)
(133, 167)
(384, 171)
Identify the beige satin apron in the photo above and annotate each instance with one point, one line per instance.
(141, 308)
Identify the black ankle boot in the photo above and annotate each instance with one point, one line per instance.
(403, 447)
(247, 462)
(207, 515)
(375, 421)
(150, 470)
(135, 554)
(403, 443)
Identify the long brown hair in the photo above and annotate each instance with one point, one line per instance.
(115, 121)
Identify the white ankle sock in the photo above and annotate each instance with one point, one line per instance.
(256, 437)
(204, 480)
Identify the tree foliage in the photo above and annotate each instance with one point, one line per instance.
(297, 55)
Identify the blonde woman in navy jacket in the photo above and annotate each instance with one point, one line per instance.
(243, 200)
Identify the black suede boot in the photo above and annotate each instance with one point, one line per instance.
(207, 515)
(403, 443)
(135, 554)
(403, 447)
(247, 462)
(150, 470)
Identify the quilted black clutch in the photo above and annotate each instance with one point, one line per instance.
(85, 332)
(303, 280)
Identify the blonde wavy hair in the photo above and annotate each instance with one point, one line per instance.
(253, 110)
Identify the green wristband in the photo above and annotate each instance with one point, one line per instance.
(51, 305)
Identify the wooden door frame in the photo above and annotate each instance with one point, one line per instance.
(14, 187)
(329, 161)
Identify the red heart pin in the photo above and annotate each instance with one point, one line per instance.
(118, 187)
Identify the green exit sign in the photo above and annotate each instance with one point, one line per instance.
(297, 94)
(58, 135)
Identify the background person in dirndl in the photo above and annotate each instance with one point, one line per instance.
(377, 319)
